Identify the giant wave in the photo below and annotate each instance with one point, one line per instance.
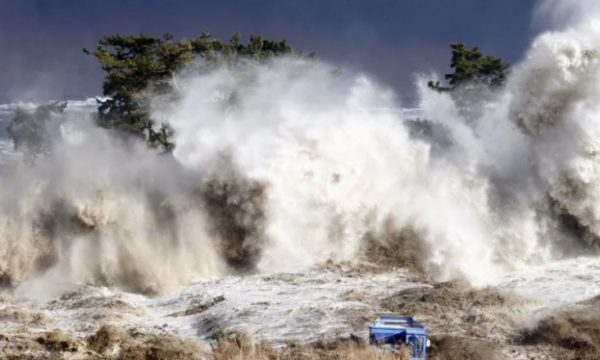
(308, 167)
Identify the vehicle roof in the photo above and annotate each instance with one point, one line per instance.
(387, 323)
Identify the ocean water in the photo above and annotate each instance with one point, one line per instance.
(302, 171)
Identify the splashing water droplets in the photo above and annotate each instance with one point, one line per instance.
(280, 167)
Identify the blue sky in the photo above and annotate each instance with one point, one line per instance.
(41, 40)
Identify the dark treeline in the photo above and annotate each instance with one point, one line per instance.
(139, 69)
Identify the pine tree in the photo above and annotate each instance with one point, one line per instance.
(475, 79)
(141, 68)
(472, 67)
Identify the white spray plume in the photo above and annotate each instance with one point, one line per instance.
(300, 166)
(564, 14)
(339, 165)
(92, 212)
(555, 101)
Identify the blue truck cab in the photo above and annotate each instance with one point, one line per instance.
(389, 332)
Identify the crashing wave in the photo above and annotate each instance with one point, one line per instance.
(303, 168)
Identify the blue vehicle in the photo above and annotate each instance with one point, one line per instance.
(390, 332)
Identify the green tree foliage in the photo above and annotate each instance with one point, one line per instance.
(141, 68)
(475, 79)
(29, 129)
(472, 67)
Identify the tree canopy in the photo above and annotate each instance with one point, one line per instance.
(475, 79)
(472, 67)
(139, 68)
(29, 129)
